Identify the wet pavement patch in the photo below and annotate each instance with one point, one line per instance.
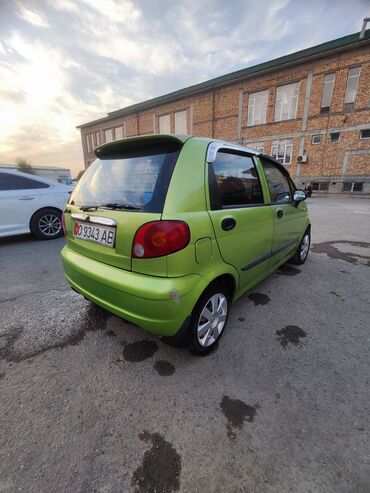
(160, 469)
(331, 249)
(2, 375)
(290, 334)
(139, 350)
(236, 412)
(241, 319)
(335, 294)
(94, 320)
(164, 368)
(288, 270)
(259, 298)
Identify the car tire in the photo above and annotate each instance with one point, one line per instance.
(209, 319)
(301, 253)
(46, 224)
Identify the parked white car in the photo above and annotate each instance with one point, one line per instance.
(29, 203)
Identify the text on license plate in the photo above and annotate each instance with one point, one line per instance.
(105, 235)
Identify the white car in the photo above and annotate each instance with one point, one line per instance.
(29, 203)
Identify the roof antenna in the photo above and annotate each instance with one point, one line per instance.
(362, 33)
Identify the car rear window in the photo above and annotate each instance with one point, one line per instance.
(137, 178)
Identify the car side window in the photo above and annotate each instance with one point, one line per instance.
(278, 183)
(14, 182)
(233, 181)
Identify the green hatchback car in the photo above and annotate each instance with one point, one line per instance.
(167, 231)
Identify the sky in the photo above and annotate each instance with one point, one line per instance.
(67, 62)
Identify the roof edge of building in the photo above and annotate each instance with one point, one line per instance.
(317, 51)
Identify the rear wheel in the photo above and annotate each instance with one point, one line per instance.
(301, 253)
(209, 318)
(46, 224)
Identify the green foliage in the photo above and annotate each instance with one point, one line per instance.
(24, 165)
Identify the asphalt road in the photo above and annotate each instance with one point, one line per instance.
(89, 403)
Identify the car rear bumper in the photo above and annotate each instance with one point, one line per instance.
(159, 305)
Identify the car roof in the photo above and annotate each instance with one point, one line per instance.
(168, 138)
(34, 177)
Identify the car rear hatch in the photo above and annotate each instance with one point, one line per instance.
(121, 190)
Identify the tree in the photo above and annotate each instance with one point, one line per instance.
(79, 174)
(24, 165)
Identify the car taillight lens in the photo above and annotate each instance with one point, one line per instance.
(158, 238)
(64, 223)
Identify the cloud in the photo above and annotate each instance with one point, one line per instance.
(32, 17)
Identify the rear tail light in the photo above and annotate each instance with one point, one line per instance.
(158, 238)
(64, 223)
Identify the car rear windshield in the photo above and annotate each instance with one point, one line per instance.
(133, 179)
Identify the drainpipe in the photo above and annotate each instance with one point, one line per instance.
(362, 33)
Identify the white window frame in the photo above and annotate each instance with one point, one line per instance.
(289, 99)
(164, 121)
(88, 143)
(107, 130)
(181, 122)
(257, 108)
(287, 144)
(347, 98)
(313, 137)
(120, 127)
(98, 138)
(329, 80)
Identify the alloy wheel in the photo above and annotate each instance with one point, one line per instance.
(212, 320)
(305, 246)
(50, 225)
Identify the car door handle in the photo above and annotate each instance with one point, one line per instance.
(279, 213)
(26, 198)
(228, 223)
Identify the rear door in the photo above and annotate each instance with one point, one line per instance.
(19, 196)
(289, 217)
(243, 223)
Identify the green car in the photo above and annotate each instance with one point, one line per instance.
(167, 231)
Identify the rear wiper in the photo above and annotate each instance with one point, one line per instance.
(111, 206)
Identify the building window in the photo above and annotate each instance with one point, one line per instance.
(286, 102)
(88, 143)
(281, 150)
(98, 138)
(351, 89)
(257, 108)
(327, 92)
(118, 131)
(108, 134)
(322, 186)
(165, 124)
(334, 136)
(181, 123)
(316, 139)
(365, 134)
(349, 186)
(255, 145)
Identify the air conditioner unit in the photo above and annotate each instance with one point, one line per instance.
(302, 158)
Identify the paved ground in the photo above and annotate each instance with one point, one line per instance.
(89, 403)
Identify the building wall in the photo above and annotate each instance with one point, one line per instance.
(222, 113)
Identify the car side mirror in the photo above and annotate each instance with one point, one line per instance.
(299, 196)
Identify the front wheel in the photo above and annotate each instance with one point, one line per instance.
(209, 319)
(46, 224)
(301, 253)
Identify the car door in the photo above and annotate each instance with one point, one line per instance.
(19, 196)
(289, 217)
(243, 224)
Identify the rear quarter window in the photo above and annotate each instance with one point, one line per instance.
(9, 181)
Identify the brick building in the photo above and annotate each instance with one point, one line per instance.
(310, 110)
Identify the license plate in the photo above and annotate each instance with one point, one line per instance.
(104, 235)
